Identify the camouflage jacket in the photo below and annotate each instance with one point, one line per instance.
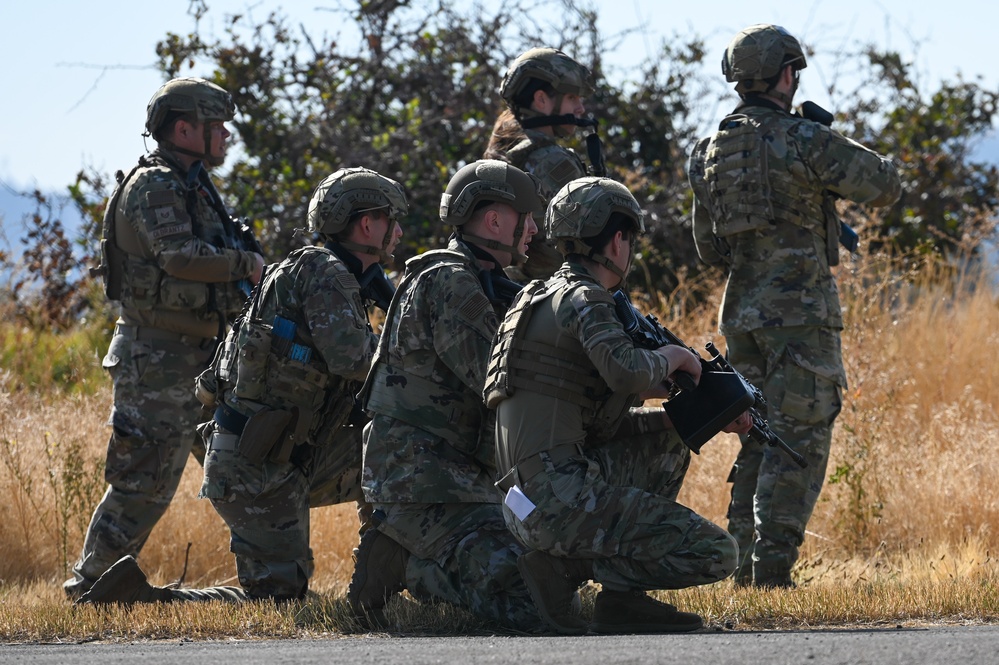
(552, 164)
(763, 208)
(320, 364)
(184, 261)
(564, 371)
(425, 386)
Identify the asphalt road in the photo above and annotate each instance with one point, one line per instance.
(966, 645)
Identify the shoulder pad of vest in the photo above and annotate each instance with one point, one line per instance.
(585, 295)
(443, 255)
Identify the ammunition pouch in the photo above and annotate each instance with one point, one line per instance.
(268, 434)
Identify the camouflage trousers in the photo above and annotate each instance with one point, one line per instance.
(616, 504)
(462, 553)
(266, 507)
(800, 372)
(153, 418)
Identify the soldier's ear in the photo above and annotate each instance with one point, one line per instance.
(493, 221)
(542, 100)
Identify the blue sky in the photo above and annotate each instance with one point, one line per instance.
(77, 75)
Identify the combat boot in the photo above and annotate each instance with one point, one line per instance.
(379, 572)
(125, 583)
(772, 575)
(553, 582)
(635, 612)
(778, 580)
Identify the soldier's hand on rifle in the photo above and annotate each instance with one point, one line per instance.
(740, 425)
(258, 269)
(681, 359)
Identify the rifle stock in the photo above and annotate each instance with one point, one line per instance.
(700, 412)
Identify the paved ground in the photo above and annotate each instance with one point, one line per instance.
(966, 645)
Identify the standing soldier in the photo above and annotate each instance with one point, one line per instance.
(590, 481)
(428, 451)
(181, 268)
(764, 186)
(544, 90)
(281, 441)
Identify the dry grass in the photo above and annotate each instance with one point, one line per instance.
(903, 535)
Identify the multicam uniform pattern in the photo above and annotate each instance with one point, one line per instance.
(265, 497)
(428, 456)
(610, 494)
(554, 166)
(763, 210)
(181, 284)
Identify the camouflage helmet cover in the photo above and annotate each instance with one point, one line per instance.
(349, 191)
(489, 180)
(550, 65)
(201, 99)
(758, 53)
(582, 208)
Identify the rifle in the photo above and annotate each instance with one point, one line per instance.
(812, 111)
(376, 287)
(699, 412)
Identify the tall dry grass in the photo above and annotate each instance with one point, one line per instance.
(904, 530)
(913, 466)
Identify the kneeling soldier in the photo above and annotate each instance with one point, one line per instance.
(283, 439)
(590, 482)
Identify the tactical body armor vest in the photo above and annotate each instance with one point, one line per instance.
(273, 364)
(559, 170)
(130, 268)
(563, 371)
(445, 409)
(750, 187)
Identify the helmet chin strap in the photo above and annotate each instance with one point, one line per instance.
(380, 252)
(205, 156)
(557, 120)
(580, 247)
(488, 243)
(517, 257)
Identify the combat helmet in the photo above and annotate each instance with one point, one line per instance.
(491, 180)
(581, 210)
(534, 68)
(756, 55)
(348, 191)
(200, 99)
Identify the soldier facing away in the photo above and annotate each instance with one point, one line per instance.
(283, 439)
(764, 188)
(428, 451)
(544, 90)
(180, 267)
(590, 478)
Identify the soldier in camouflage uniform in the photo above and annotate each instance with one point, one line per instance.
(428, 453)
(181, 269)
(544, 90)
(283, 440)
(591, 479)
(764, 188)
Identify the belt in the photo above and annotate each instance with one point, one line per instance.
(535, 464)
(146, 334)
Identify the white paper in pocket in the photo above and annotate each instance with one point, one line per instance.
(518, 502)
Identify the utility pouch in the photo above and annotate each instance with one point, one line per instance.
(206, 388)
(264, 434)
(253, 349)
